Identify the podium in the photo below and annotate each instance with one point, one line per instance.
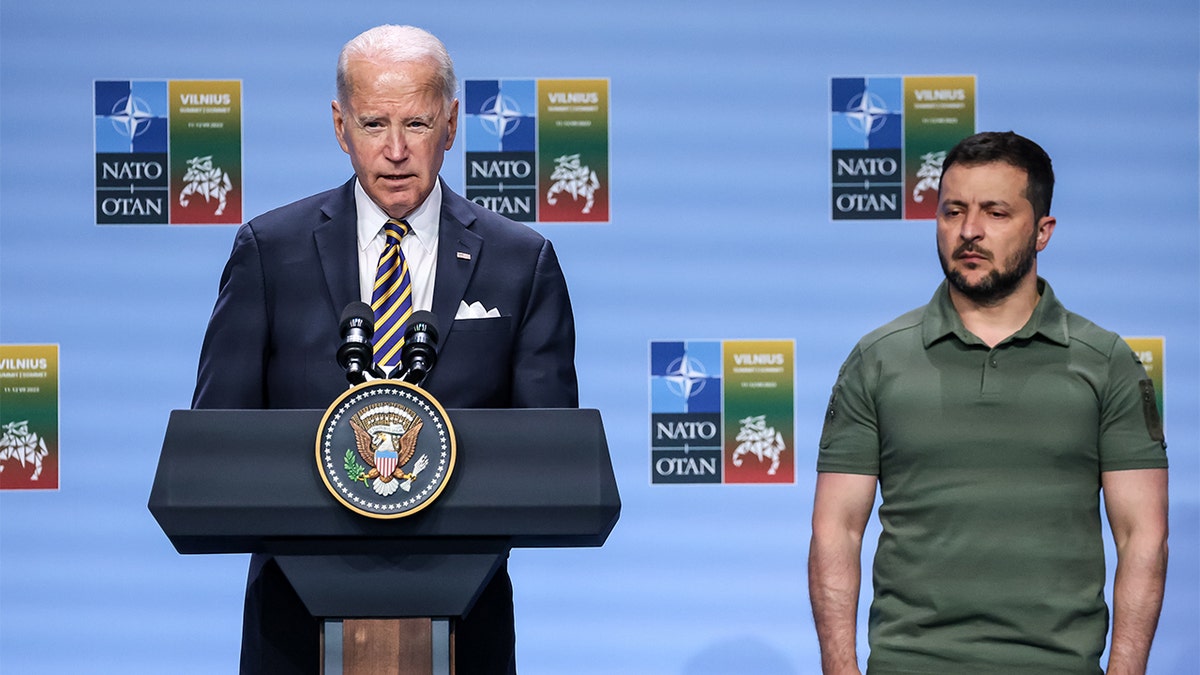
(246, 481)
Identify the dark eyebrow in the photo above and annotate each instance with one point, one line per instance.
(983, 205)
(996, 203)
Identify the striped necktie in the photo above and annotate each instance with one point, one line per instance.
(392, 297)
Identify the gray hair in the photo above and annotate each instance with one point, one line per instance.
(397, 44)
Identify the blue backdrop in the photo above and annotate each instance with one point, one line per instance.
(720, 229)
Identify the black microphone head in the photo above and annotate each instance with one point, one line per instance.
(355, 354)
(419, 353)
(358, 315)
(422, 322)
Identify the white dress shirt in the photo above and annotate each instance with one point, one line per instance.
(419, 246)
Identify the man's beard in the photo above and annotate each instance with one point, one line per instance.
(999, 283)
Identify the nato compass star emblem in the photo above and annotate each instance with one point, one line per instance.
(385, 449)
(131, 116)
(686, 376)
(500, 115)
(866, 113)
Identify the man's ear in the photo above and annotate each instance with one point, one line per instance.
(1045, 229)
(339, 126)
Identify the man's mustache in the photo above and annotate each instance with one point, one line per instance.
(972, 247)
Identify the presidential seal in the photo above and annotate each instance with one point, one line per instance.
(385, 449)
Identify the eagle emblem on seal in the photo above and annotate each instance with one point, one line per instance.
(385, 449)
(386, 439)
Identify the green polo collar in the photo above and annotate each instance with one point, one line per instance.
(941, 320)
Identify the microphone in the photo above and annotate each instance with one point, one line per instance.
(419, 353)
(356, 355)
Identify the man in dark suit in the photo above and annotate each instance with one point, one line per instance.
(496, 287)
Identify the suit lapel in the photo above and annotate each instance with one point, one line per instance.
(458, 253)
(336, 240)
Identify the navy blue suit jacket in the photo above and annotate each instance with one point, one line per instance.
(273, 336)
(272, 343)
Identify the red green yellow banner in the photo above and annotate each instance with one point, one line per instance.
(29, 457)
(759, 435)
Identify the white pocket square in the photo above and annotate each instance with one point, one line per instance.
(475, 310)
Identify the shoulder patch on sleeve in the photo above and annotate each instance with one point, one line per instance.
(831, 415)
(1150, 411)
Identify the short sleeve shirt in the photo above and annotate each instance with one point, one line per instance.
(989, 461)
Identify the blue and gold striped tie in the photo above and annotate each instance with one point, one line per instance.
(392, 297)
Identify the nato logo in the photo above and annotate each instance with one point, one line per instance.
(685, 418)
(867, 112)
(500, 130)
(685, 376)
(132, 131)
(131, 117)
(867, 137)
(500, 115)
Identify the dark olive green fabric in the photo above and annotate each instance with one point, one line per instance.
(990, 557)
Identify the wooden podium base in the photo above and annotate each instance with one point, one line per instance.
(387, 647)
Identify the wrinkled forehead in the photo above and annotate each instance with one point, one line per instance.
(374, 77)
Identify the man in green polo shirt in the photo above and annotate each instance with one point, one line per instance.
(990, 420)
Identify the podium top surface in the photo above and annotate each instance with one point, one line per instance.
(246, 481)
